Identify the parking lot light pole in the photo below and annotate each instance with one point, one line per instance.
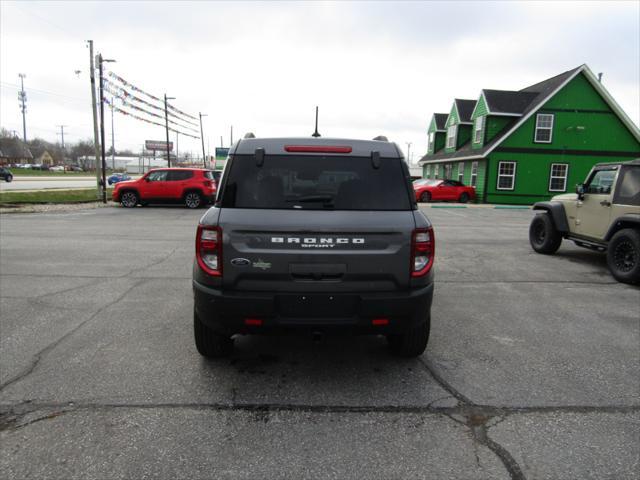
(103, 153)
(409, 153)
(204, 161)
(166, 124)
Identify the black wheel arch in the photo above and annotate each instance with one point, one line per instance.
(625, 221)
(556, 210)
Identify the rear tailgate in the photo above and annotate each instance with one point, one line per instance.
(315, 250)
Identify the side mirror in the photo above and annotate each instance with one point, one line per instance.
(580, 190)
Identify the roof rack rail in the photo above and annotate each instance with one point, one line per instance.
(381, 138)
(249, 135)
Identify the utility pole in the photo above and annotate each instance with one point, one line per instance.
(409, 153)
(96, 143)
(113, 141)
(166, 124)
(231, 144)
(22, 97)
(204, 160)
(177, 151)
(221, 142)
(62, 142)
(104, 161)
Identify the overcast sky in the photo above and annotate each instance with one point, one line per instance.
(372, 67)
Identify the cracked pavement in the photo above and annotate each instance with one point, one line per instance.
(532, 370)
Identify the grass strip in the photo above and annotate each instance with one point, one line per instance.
(51, 196)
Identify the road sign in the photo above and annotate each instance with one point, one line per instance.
(157, 145)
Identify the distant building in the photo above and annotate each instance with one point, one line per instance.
(13, 150)
(41, 156)
(525, 146)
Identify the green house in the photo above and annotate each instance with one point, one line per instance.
(520, 147)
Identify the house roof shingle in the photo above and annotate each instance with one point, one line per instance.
(465, 109)
(441, 120)
(14, 148)
(505, 101)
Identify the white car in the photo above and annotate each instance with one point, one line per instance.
(57, 168)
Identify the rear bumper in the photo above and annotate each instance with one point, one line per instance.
(226, 312)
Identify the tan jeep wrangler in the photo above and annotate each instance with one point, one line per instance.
(603, 215)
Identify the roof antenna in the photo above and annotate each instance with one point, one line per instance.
(316, 134)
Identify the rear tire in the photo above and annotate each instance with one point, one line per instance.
(425, 197)
(623, 256)
(464, 198)
(208, 343)
(193, 200)
(411, 343)
(543, 236)
(8, 178)
(129, 199)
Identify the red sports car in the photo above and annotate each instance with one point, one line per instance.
(428, 190)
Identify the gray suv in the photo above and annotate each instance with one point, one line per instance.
(316, 235)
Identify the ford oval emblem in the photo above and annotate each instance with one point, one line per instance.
(240, 262)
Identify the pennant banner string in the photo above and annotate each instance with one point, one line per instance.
(129, 114)
(121, 93)
(125, 101)
(136, 89)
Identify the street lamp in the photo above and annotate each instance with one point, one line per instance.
(166, 124)
(104, 162)
(204, 162)
(408, 152)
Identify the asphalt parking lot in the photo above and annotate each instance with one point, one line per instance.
(532, 370)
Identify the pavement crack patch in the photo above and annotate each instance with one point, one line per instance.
(444, 384)
(42, 353)
(150, 265)
(477, 418)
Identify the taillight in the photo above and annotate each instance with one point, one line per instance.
(422, 251)
(209, 249)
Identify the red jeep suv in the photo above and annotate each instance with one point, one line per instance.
(192, 186)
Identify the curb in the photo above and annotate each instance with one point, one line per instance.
(480, 205)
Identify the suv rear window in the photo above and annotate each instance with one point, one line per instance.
(316, 183)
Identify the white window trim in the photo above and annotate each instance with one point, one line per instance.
(535, 133)
(452, 137)
(566, 176)
(461, 172)
(474, 175)
(513, 177)
(478, 129)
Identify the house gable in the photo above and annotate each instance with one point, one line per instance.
(480, 108)
(582, 120)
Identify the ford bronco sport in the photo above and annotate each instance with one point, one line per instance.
(310, 234)
(603, 214)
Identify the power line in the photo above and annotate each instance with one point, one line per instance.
(17, 87)
(28, 12)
